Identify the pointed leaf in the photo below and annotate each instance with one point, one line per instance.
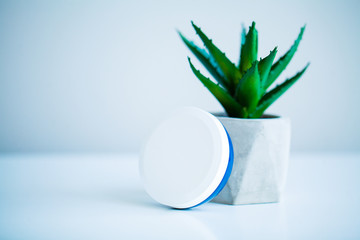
(249, 49)
(265, 67)
(204, 58)
(243, 34)
(275, 93)
(243, 38)
(233, 108)
(248, 90)
(281, 64)
(228, 68)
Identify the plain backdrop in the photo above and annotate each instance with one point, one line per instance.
(99, 75)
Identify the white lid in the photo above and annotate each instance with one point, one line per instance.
(185, 158)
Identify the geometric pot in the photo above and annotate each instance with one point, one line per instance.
(261, 156)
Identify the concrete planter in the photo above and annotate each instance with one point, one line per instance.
(261, 154)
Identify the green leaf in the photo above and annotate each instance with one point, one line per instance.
(204, 58)
(232, 108)
(228, 68)
(243, 39)
(249, 49)
(281, 64)
(248, 90)
(265, 67)
(243, 34)
(275, 93)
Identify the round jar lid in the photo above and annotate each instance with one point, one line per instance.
(187, 159)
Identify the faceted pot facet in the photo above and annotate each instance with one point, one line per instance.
(261, 155)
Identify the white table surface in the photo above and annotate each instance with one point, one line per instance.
(52, 196)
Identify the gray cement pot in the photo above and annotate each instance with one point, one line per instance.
(261, 154)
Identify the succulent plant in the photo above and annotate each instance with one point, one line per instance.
(243, 89)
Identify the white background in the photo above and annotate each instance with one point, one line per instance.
(90, 196)
(98, 75)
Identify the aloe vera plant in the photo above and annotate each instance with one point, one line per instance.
(243, 89)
